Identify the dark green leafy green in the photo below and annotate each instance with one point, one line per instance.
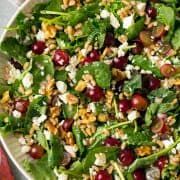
(110, 152)
(166, 94)
(55, 152)
(150, 113)
(134, 30)
(61, 75)
(148, 160)
(168, 171)
(133, 84)
(95, 30)
(35, 109)
(176, 39)
(40, 169)
(41, 67)
(100, 71)
(145, 64)
(166, 107)
(114, 6)
(78, 134)
(138, 138)
(54, 5)
(69, 111)
(12, 48)
(73, 17)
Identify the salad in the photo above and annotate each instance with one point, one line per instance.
(92, 89)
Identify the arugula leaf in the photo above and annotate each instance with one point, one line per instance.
(148, 160)
(69, 111)
(95, 30)
(40, 169)
(176, 39)
(146, 64)
(133, 84)
(137, 138)
(73, 17)
(12, 48)
(39, 62)
(100, 71)
(134, 30)
(11, 124)
(55, 153)
(166, 94)
(78, 134)
(150, 113)
(110, 152)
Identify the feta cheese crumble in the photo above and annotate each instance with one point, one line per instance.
(61, 86)
(100, 159)
(104, 14)
(114, 21)
(27, 80)
(128, 21)
(38, 120)
(132, 115)
(16, 114)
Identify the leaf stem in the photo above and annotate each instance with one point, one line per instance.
(118, 169)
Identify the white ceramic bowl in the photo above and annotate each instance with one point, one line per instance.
(10, 142)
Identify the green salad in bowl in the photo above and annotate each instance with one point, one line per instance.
(92, 89)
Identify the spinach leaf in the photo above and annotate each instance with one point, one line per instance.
(137, 138)
(78, 134)
(132, 85)
(145, 161)
(100, 71)
(167, 107)
(162, 11)
(41, 67)
(61, 75)
(55, 153)
(176, 39)
(73, 17)
(166, 94)
(110, 152)
(40, 169)
(134, 30)
(35, 109)
(146, 64)
(12, 48)
(69, 111)
(150, 113)
(74, 172)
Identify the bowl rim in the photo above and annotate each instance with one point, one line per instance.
(3, 141)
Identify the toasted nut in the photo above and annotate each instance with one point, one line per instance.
(103, 117)
(80, 86)
(51, 128)
(69, 138)
(5, 97)
(118, 74)
(109, 98)
(49, 30)
(143, 150)
(71, 99)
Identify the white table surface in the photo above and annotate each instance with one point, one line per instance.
(7, 10)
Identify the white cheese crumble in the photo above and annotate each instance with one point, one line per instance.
(128, 21)
(63, 98)
(140, 6)
(169, 142)
(122, 49)
(27, 80)
(104, 14)
(114, 21)
(100, 159)
(25, 149)
(132, 115)
(92, 107)
(128, 74)
(22, 140)
(13, 74)
(38, 120)
(40, 36)
(16, 114)
(47, 134)
(61, 86)
(71, 150)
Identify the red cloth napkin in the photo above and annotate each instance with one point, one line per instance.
(5, 171)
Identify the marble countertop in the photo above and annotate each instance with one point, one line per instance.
(7, 10)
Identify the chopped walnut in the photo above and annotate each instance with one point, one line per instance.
(80, 86)
(143, 150)
(49, 30)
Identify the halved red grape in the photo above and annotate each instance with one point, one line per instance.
(95, 93)
(60, 58)
(67, 124)
(167, 70)
(139, 102)
(103, 175)
(139, 47)
(110, 141)
(153, 83)
(36, 151)
(126, 157)
(151, 12)
(124, 105)
(162, 162)
(38, 47)
(120, 62)
(157, 126)
(92, 56)
(21, 105)
(145, 37)
(139, 174)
